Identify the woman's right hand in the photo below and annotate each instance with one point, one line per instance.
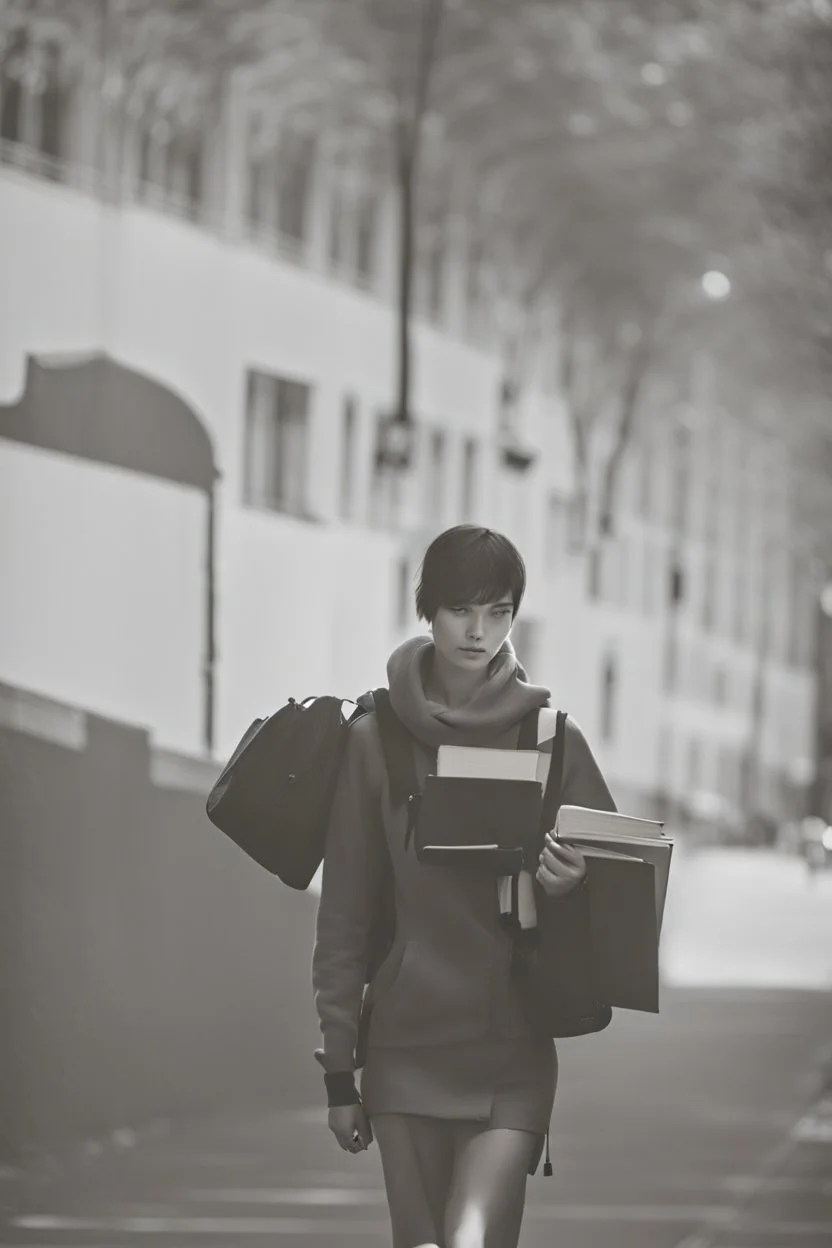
(351, 1128)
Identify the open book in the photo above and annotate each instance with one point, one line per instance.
(623, 834)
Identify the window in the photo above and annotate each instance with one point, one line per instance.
(171, 163)
(595, 556)
(337, 215)
(403, 599)
(349, 429)
(802, 615)
(729, 775)
(741, 592)
(294, 183)
(649, 577)
(671, 660)
(29, 114)
(694, 766)
(470, 465)
(435, 276)
(557, 529)
(645, 481)
(609, 690)
(709, 591)
(682, 480)
(259, 192)
(435, 483)
(11, 89)
(665, 761)
(474, 282)
(365, 250)
(611, 573)
(184, 170)
(276, 444)
(52, 104)
(623, 552)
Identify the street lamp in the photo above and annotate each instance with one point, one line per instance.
(396, 439)
(716, 285)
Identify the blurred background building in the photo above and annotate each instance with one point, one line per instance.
(250, 286)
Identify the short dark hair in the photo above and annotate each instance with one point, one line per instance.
(469, 564)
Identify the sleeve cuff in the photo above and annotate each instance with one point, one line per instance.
(341, 1089)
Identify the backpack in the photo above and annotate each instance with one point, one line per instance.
(274, 795)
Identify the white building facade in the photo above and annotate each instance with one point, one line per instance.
(267, 305)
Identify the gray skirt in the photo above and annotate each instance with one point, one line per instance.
(499, 1083)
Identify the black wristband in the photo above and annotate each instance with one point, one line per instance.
(341, 1089)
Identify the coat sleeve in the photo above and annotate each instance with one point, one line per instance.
(583, 781)
(352, 872)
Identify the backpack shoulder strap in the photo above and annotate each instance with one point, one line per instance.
(528, 737)
(398, 749)
(554, 780)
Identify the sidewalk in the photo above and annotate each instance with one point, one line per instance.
(671, 1133)
(788, 1202)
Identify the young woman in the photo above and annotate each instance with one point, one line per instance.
(457, 1088)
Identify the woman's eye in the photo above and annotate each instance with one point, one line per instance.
(459, 610)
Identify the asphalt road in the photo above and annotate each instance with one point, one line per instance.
(668, 1131)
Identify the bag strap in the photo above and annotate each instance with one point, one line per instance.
(554, 780)
(398, 750)
(528, 730)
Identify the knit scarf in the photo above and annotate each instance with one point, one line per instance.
(499, 704)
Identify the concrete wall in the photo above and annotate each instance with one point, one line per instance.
(148, 967)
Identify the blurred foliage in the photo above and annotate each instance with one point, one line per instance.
(604, 154)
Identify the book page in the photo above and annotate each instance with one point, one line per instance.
(577, 820)
(481, 762)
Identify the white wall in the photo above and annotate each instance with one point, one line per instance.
(103, 583)
(304, 611)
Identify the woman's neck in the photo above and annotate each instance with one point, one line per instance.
(448, 686)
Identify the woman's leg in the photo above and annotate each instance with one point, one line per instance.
(417, 1156)
(488, 1189)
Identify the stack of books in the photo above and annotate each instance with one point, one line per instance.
(628, 862)
(482, 800)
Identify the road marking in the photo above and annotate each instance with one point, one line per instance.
(707, 1228)
(742, 1184)
(626, 1213)
(290, 1195)
(158, 1225)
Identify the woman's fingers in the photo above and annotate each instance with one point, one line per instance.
(568, 853)
(561, 867)
(562, 859)
(556, 885)
(349, 1125)
(351, 1128)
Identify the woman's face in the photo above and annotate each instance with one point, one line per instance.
(468, 637)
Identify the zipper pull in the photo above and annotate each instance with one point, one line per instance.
(547, 1165)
